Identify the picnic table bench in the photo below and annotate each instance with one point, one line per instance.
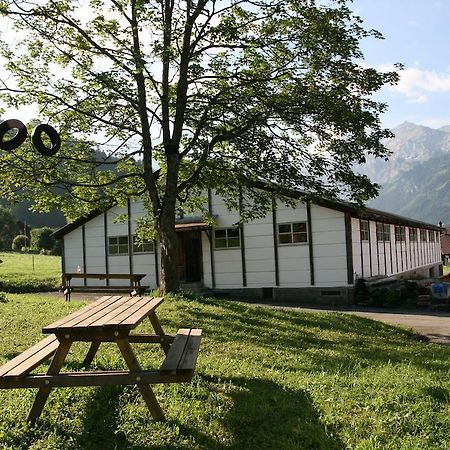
(109, 319)
(135, 287)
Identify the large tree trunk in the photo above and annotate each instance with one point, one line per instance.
(169, 246)
(169, 241)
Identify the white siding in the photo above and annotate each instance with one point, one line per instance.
(370, 258)
(95, 249)
(329, 247)
(392, 257)
(73, 252)
(259, 252)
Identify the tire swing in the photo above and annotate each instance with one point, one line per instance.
(38, 144)
(18, 139)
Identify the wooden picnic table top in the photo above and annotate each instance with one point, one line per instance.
(104, 276)
(107, 314)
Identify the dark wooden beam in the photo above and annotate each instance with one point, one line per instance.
(211, 242)
(310, 244)
(275, 242)
(349, 248)
(105, 231)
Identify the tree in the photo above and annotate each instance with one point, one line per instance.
(20, 242)
(220, 93)
(41, 239)
(8, 228)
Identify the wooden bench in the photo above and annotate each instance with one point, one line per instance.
(182, 356)
(109, 319)
(134, 288)
(24, 363)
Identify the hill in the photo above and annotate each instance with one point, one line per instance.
(416, 179)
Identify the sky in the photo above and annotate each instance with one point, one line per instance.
(416, 34)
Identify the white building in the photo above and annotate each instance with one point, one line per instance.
(312, 252)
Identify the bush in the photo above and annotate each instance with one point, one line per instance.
(41, 239)
(3, 297)
(19, 242)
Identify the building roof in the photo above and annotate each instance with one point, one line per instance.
(338, 205)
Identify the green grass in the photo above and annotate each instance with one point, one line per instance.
(265, 379)
(21, 272)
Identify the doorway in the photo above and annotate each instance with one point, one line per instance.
(189, 260)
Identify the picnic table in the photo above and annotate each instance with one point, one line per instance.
(135, 287)
(109, 319)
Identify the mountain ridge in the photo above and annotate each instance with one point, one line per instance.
(416, 179)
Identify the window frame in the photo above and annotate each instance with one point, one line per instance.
(423, 235)
(118, 245)
(292, 233)
(400, 233)
(364, 234)
(226, 238)
(413, 232)
(383, 232)
(142, 252)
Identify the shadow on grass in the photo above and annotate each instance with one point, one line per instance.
(330, 341)
(262, 415)
(265, 415)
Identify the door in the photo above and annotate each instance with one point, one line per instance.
(189, 260)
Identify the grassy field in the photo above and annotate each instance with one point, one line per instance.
(446, 270)
(29, 273)
(266, 379)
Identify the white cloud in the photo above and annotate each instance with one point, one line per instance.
(415, 83)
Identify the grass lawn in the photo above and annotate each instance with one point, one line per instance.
(266, 379)
(21, 272)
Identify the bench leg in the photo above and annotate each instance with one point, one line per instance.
(159, 330)
(146, 390)
(91, 353)
(43, 393)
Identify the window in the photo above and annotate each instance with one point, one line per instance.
(423, 235)
(227, 238)
(383, 232)
(413, 234)
(431, 236)
(400, 234)
(364, 230)
(143, 247)
(118, 245)
(292, 233)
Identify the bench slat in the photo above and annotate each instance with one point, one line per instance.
(31, 358)
(104, 378)
(170, 364)
(78, 316)
(113, 312)
(139, 315)
(99, 314)
(75, 314)
(189, 357)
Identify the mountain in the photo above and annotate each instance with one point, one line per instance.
(416, 179)
(21, 212)
(413, 144)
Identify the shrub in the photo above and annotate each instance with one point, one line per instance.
(41, 239)
(19, 242)
(3, 297)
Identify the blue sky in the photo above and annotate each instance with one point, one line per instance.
(417, 34)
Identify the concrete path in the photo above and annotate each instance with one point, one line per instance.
(435, 325)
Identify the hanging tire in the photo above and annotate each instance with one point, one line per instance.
(38, 144)
(18, 139)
